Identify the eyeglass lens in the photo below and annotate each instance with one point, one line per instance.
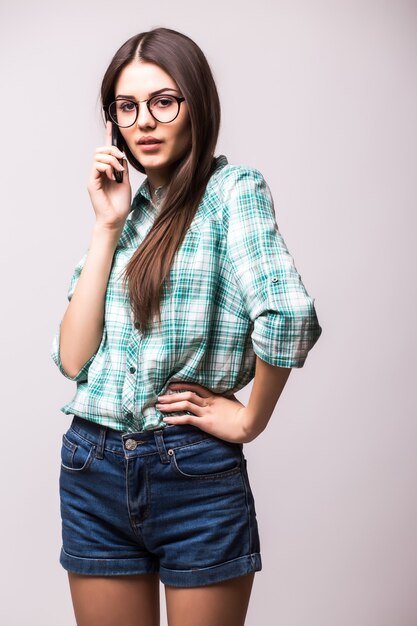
(163, 108)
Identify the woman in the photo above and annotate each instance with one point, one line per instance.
(185, 295)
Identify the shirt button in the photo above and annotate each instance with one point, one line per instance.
(131, 444)
(129, 414)
(132, 370)
(275, 279)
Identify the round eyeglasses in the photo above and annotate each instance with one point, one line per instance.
(163, 108)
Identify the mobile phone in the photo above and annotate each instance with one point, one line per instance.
(114, 136)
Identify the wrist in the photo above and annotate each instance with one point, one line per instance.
(106, 232)
(252, 426)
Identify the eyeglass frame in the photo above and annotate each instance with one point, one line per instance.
(179, 99)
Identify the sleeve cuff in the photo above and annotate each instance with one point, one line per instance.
(284, 341)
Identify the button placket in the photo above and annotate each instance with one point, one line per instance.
(130, 382)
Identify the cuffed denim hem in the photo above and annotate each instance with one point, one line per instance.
(107, 567)
(202, 576)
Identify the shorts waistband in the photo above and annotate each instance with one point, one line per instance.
(141, 442)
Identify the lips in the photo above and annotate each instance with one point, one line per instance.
(148, 140)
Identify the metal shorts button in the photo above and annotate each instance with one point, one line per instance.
(131, 444)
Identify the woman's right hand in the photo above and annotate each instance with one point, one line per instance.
(111, 200)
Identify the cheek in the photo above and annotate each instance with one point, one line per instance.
(129, 140)
(184, 135)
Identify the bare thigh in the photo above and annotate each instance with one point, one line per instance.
(131, 600)
(213, 605)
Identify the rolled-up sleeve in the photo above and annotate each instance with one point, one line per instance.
(55, 351)
(285, 323)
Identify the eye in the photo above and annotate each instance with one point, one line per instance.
(163, 102)
(125, 106)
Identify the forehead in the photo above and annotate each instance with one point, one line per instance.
(142, 78)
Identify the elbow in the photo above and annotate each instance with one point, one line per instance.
(70, 371)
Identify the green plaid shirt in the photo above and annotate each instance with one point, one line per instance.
(234, 293)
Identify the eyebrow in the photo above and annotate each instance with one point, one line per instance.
(154, 93)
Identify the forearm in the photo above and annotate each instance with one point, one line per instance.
(267, 387)
(82, 324)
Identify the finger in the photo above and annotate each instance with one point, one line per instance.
(183, 405)
(180, 396)
(108, 133)
(109, 159)
(114, 150)
(101, 167)
(203, 392)
(183, 419)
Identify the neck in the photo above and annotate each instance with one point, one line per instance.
(156, 192)
(153, 189)
(158, 177)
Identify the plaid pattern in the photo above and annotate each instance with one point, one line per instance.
(234, 292)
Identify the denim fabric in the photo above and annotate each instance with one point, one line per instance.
(175, 500)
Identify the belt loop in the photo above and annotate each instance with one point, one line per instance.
(100, 443)
(160, 444)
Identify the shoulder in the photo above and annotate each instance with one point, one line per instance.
(234, 174)
(242, 190)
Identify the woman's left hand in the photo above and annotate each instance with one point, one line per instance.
(216, 414)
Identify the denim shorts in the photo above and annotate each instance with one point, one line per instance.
(174, 500)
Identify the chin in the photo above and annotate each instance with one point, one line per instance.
(153, 162)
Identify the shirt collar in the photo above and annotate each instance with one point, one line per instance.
(142, 198)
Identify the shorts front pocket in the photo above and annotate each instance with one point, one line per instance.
(77, 453)
(208, 459)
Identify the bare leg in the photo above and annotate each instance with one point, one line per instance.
(115, 600)
(220, 604)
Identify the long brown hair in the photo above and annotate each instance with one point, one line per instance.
(183, 60)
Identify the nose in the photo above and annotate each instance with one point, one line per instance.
(145, 119)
